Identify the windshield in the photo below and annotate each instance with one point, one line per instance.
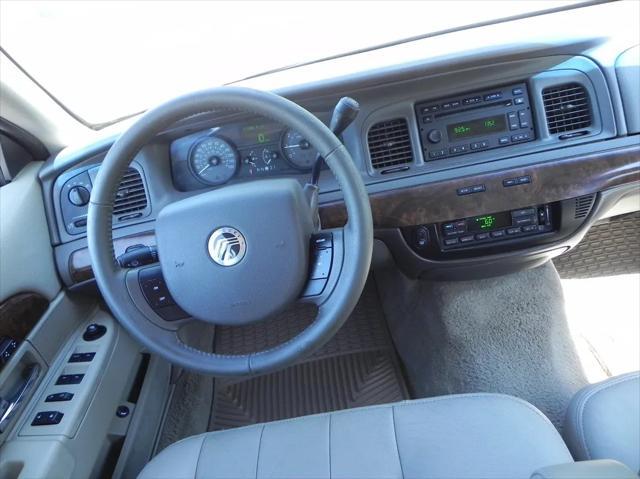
(107, 60)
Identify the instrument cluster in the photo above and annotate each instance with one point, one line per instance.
(239, 151)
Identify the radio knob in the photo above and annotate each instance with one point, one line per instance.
(434, 136)
(79, 195)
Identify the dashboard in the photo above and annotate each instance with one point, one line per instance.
(491, 162)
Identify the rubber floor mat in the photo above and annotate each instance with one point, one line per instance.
(608, 249)
(357, 367)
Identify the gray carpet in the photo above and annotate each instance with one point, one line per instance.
(505, 335)
(608, 249)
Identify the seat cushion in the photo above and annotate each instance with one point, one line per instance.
(464, 436)
(603, 421)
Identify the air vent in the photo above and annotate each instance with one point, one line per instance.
(567, 108)
(131, 196)
(583, 206)
(390, 144)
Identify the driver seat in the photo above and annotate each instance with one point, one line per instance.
(460, 436)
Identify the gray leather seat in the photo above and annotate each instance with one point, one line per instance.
(465, 436)
(603, 421)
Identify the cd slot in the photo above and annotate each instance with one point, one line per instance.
(505, 103)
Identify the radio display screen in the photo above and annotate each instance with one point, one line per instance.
(479, 127)
(489, 222)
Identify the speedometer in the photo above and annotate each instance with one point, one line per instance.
(297, 150)
(213, 160)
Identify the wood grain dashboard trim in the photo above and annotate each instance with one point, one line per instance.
(436, 202)
(550, 181)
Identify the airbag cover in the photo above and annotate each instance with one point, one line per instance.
(238, 254)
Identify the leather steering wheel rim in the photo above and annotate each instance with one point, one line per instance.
(357, 234)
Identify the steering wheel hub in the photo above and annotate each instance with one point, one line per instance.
(241, 274)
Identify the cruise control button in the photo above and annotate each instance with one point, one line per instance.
(321, 263)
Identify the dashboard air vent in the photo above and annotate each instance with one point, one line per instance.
(390, 144)
(583, 205)
(567, 108)
(131, 196)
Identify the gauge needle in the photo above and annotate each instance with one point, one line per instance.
(204, 169)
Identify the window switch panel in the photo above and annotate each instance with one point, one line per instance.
(57, 397)
(70, 379)
(81, 357)
(47, 418)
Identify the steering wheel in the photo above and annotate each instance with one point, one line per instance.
(240, 253)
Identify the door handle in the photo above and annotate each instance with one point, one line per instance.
(9, 406)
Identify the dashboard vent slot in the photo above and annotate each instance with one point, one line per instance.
(390, 144)
(131, 195)
(567, 108)
(583, 205)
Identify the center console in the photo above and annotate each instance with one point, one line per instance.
(482, 120)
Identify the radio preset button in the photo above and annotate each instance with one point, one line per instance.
(479, 145)
(459, 149)
(437, 153)
(503, 140)
(446, 106)
(472, 100)
(455, 104)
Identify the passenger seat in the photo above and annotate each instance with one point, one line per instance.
(603, 421)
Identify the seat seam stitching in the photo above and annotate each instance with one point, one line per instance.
(259, 449)
(330, 472)
(395, 436)
(195, 473)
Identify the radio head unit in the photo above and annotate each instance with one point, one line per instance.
(481, 120)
